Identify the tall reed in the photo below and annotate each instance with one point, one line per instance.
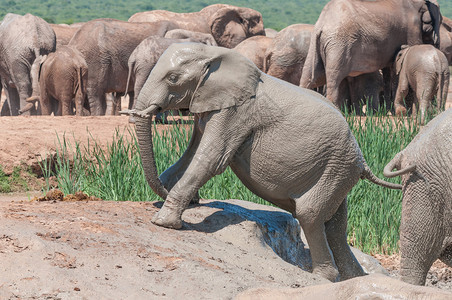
(114, 172)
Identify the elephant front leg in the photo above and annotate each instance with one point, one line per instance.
(219, 142)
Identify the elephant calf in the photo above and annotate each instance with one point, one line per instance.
(288, 145)
(426, 226)
(425, 70)
(62, 78)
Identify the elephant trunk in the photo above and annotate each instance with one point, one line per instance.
(144, 135)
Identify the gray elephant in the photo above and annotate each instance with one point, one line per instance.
(37, 39)
(288, 145)
(62, 80)
(106, 45)
(286, 56)
(254, 49)
(205, 38)
(426, 226)
(228, 24)
(143, 59)
(356, 37)
(425, 70)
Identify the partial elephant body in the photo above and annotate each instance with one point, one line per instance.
(23, 40)
(254, 49)
(64, 33)
(106, 45)
(228, 24)
(286, 56)
(205, 38)
(62, 79)
(446, 38)
(353, 37)
(426, 227)
(425, 70)
(288, 145)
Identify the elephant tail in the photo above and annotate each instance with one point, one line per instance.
(129, 75)
(395, 164)
(367, 174)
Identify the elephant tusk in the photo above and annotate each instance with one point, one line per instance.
(146, 113)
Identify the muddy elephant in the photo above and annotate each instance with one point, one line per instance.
(254, 123)
(426, 226)
(425, 70)
(18, 55)
(356, 37)
(64, 32)
(62, 80)
(228, 24)
(286, 55)
(205, 38)
(106, 45)
(143, 59)
(254, 49)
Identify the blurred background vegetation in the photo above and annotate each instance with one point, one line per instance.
(277, 14)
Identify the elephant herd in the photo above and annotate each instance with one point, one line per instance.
(250, 91)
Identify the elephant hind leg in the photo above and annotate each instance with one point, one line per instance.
(421, 230)
(313, 209)
(336, 234)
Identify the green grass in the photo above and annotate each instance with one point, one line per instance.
(115, 173)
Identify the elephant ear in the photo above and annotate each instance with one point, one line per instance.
(431, 23)
(227, 27)
(400, 58)
(228, 80)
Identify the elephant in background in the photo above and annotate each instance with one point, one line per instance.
(205, 38)
(425, 70)
(228, 24)
(18, 55)
(446, 38)
(356, 37)
(254, 49)
(254, 123)
(63, 77)
(286, 55)
(365, 89)
(106, 45)
(426, 226)
(64, 33)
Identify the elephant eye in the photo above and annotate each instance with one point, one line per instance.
(173, 78)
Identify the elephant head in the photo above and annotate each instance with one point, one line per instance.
(230, 25)
(195, 76)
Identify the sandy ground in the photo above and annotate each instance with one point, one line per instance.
(45, 235)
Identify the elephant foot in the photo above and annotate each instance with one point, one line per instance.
(400, 111)
(169, 215)
(327, 271)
